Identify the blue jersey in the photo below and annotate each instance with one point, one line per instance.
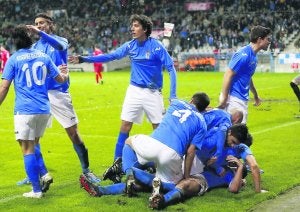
(243, 63)
(148, 59)
(181, 126)
(57, 48)
(212, 146)
(214, 180)
(217, 118)
(240, 151)
(29, 68)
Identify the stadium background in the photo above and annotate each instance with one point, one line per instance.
(89, 22)
(202, 29)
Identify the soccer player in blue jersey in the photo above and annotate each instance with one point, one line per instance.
(148, 58)
(238, 78)
(29, 69)
(179, 134)
(232, 175)
(198, 184)
(59, 96)
(218, 122)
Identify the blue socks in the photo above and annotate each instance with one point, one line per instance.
(129, 158)
(120, 144)
(173, 196)
(113, 189)
(83, 156)
(40, 161)
(32, 171)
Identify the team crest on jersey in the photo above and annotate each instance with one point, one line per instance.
(147, 54)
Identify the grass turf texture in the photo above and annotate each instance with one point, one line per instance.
(273, 126)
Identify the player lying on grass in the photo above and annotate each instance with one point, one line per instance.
(201, 181)
(198, 184)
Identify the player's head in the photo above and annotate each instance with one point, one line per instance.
(200, 100)
(249, 140)
(44, 22)
(261, 35)
(21, 37)
(237, 134)
(145, 22)
(236, 116)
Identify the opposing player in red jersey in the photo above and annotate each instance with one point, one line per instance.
(98, 68)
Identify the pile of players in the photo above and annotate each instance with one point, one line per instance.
(194, 149)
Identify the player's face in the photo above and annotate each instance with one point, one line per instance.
(137, 31)
(265, 42)
(43, 24)
(231, 140)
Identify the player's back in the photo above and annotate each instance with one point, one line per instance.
(179, 126)
(29, 69)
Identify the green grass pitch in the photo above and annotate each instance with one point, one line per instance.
(273, 125)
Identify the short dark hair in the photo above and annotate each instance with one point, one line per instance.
(259, 32)
(48, 18)
(145, 21)
(201, 101)
(44, 15)
(240, 132)
(249, 140)
(21, 37)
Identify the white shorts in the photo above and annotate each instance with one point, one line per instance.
(167, 160)
(62, 108)
(296, 80)
(29, 127)
(234, 103)
(139, 100)
(197, 167)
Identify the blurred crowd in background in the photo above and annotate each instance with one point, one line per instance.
(105, 22)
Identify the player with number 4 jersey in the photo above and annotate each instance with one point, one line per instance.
(179, 134)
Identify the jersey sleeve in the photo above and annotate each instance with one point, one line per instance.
(8, 72)
(242, 151)
(237, 61)
(56, 42)
(119, 53)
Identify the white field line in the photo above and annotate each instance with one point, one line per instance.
(276, 127)
(9, 198)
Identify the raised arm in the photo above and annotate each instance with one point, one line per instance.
(236, 182)
(59, 44)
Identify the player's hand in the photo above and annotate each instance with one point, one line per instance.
(73, 59)
(211, 160)
(63, 69)
(257, 101)
(222, 102)
(33, 28)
